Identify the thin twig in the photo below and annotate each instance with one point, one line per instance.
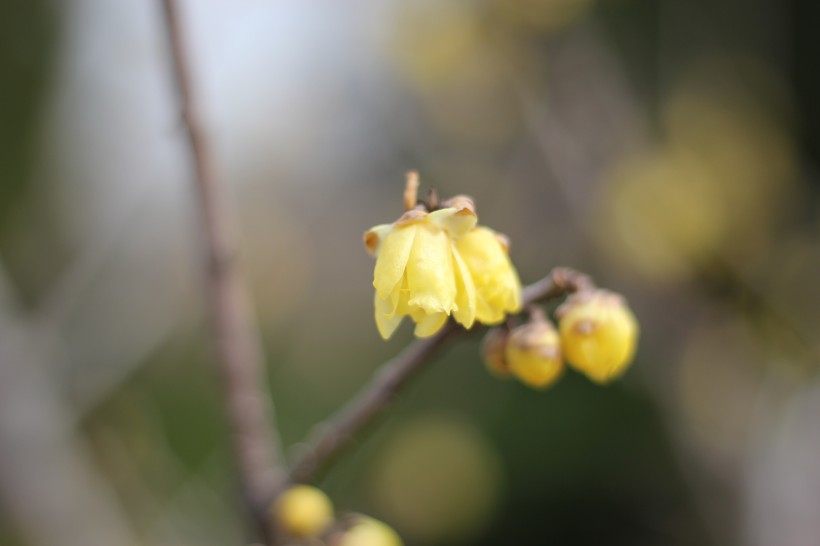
(331, 438)
(250, 411)
(560, 281)
(411, 190)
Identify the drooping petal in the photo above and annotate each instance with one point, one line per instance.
(465, 314)
(429, 324)
(386, 320)
(508, 295)
(392, 260)
(481, 250)
(498, 289)
(430, 274)
(390, 304)
(514, 303)
(487, 313)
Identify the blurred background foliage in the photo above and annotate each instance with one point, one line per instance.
(668, 148)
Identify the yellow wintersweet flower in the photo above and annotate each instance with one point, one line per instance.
(498, 289)
(418, 272)
(534, 354)
(598, 334)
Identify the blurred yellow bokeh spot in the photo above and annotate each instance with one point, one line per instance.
(724, 116)
(442, 50)
(660, 211)
(433, 40)
(438, 480)
(715, 184)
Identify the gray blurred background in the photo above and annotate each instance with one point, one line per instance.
(668, 148)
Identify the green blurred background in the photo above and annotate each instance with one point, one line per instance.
(669, 148)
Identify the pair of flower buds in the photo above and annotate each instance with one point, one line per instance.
(433, 263)
(597, 335)
(305, 514)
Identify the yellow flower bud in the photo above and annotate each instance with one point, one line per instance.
(370, 532)
(534, 354)
(493, 350)
(303, 511)
(497, 286)
(598, 334)
(418, 272)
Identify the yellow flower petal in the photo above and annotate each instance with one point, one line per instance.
(392, 260)
(498, 289)
(430, 274)
(456, 222)
(465, 314)
(374, 236)
(427, 325)
(386, 319)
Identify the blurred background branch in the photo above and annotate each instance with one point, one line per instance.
(48, 479)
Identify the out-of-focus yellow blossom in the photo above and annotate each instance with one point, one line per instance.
(493, 349)
(370, 532)
(534, 354)
(419, 274)
(719, 180)
(598, 334)
(303, 511)
(497, 287)
(439, 479)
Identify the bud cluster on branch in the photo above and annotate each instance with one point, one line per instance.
(436, 262)
(305, 514)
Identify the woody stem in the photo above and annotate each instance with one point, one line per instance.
(330, 438)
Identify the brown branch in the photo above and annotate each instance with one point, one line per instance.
(250, 411)
(331, 438)
(560, 281)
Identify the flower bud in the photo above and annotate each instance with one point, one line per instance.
(534, 354)
(598, 334)
(303, 511)
(370, 532)
(493, 350)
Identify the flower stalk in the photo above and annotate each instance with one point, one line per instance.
(331, 438)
